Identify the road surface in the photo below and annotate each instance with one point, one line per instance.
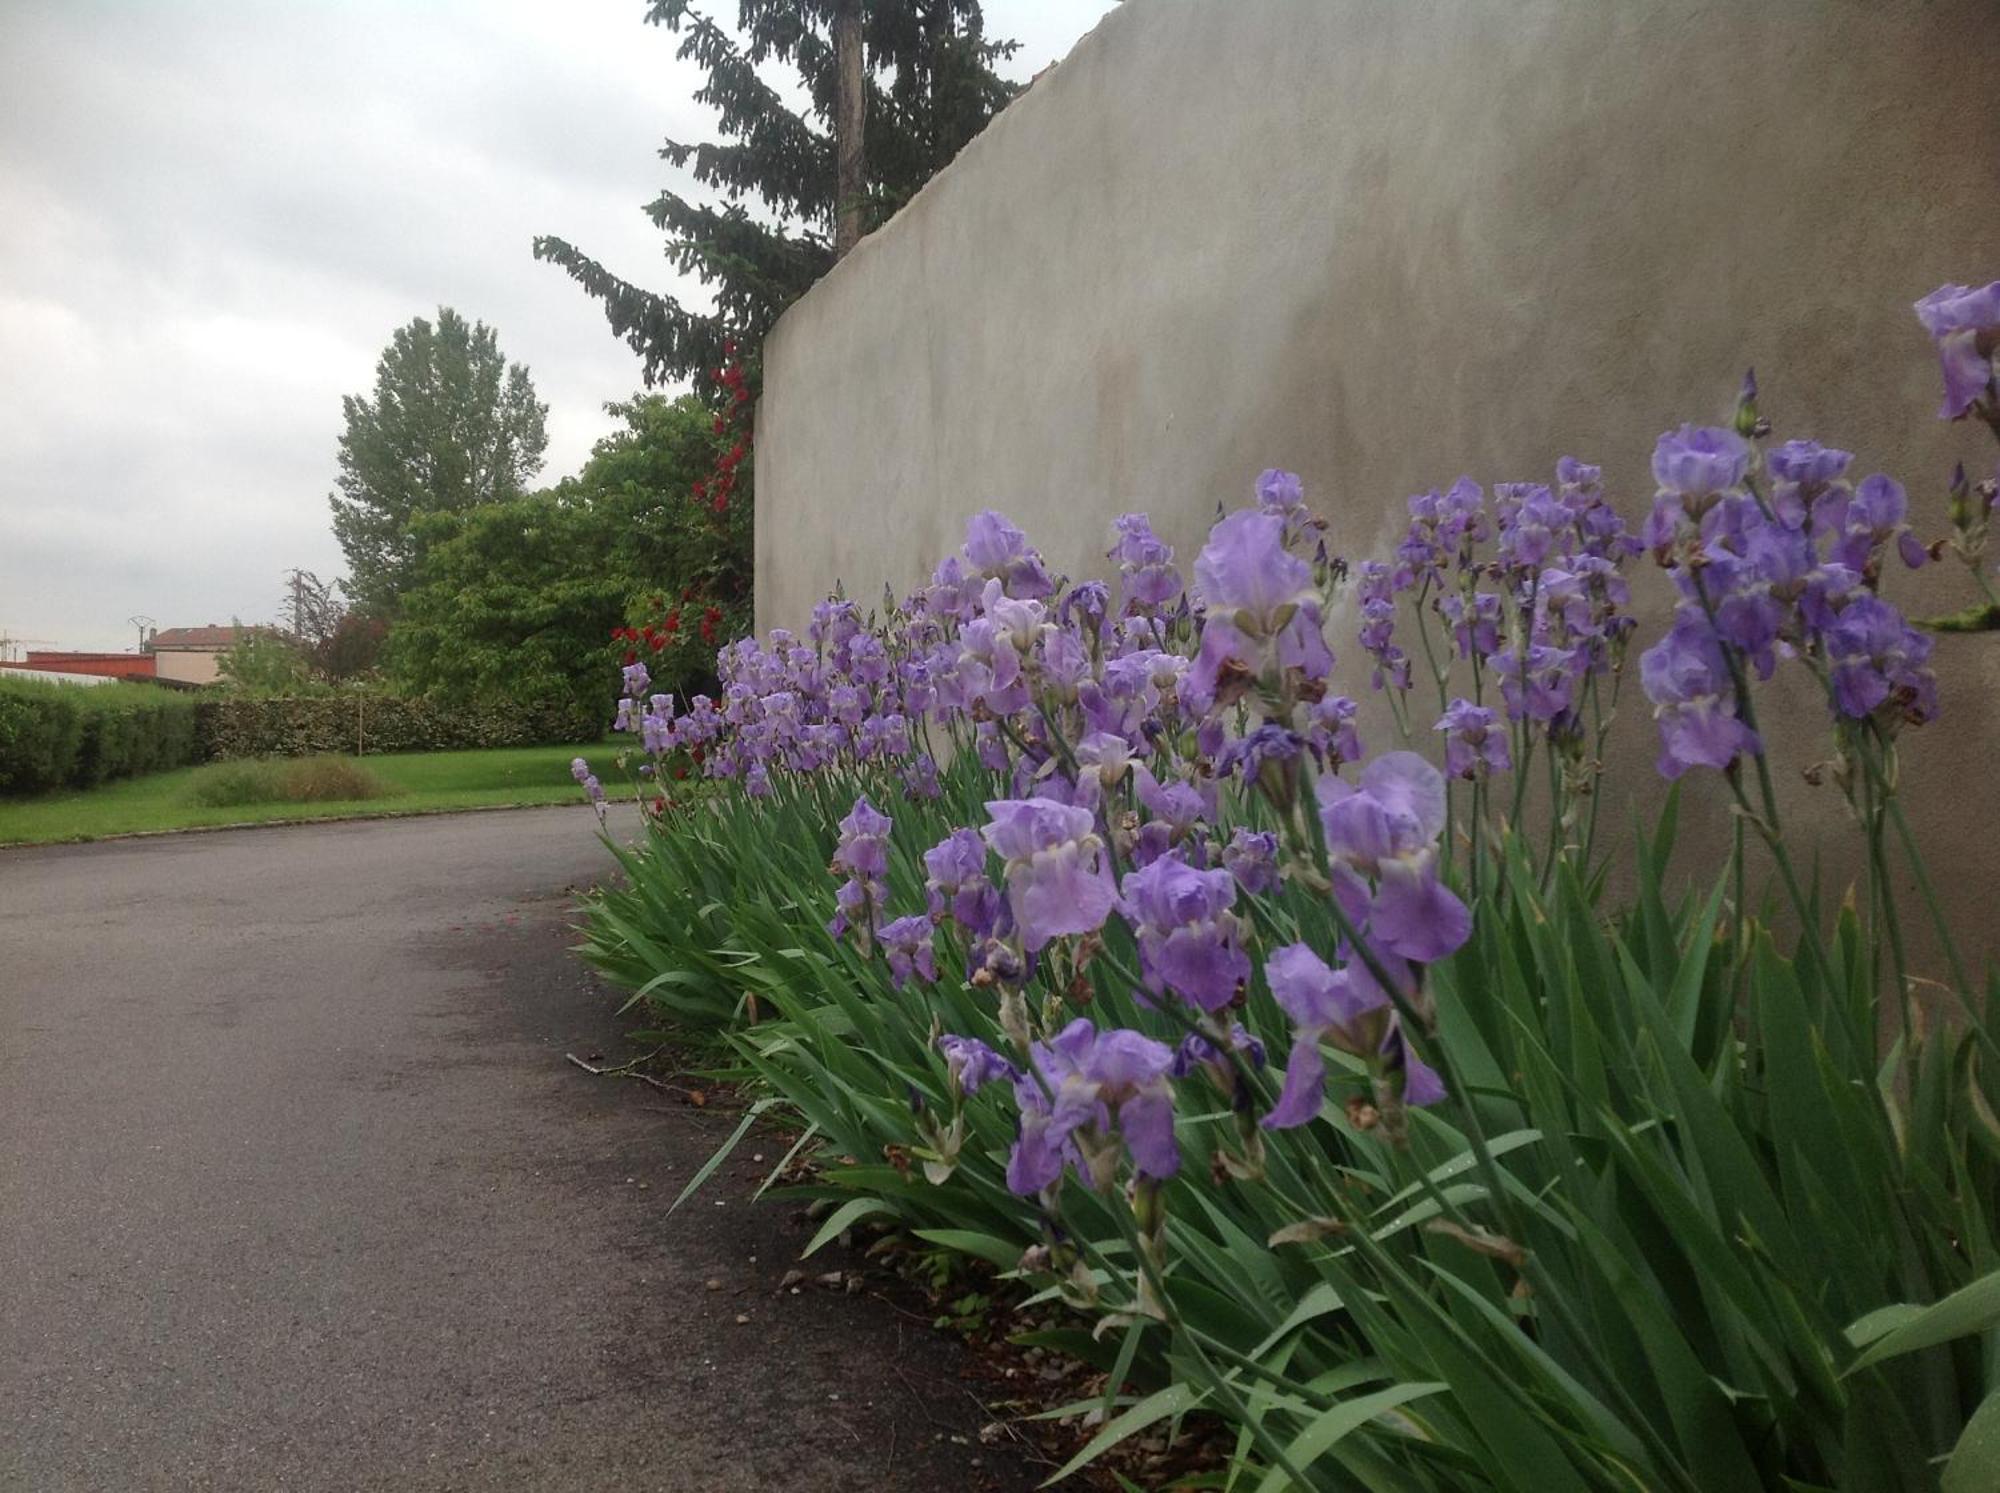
(297, 1191)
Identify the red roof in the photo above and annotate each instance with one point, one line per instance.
(210, 636)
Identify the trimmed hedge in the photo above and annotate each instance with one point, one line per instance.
(77, 736)
(366, 724)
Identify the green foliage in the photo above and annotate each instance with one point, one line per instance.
(301, 780)
(420, 782)
(353, 648)
(517, 600)
(264, 659)
(66, 735)
(451, 425)
(514, 600)
(1677, 1227)
(366, 722)
(930, 88)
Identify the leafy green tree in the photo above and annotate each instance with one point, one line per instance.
(519, 599)
(929, 87)
(451, 425)
(264, 660)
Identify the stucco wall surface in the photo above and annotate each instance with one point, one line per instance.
(1386, 242)
(189, 665)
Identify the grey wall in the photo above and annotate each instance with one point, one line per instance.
(1385, 242)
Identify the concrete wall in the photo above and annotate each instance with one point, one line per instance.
(189, 665)
(1385, 242)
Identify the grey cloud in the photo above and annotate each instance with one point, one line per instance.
(211, 218)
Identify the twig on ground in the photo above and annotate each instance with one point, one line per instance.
(625, 1070)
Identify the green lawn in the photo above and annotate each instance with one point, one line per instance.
(422, 781)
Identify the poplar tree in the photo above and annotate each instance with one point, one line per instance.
(452, 424)
(776, 210)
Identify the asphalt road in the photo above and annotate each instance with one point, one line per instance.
(297, 1191)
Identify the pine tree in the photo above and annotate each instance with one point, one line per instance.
(929, 88)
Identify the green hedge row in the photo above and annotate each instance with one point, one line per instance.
(76, 736)
(365, 724)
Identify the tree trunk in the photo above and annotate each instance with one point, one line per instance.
(849, 114)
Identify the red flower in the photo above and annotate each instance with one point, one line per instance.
(659, 643)
(674, 620)
(631, 656)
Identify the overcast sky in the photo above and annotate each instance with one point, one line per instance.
(213, 215)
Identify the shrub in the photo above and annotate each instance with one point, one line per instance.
(77, 736)
(1552, 1192)
(296, 780)
(369, 722)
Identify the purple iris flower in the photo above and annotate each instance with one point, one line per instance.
(1375, 590)
(1251, 856)
(1058, 877)
(998, 550)
(636, 680)
(920, 777)
(1200, 1050)
(973, 1065)
(954, 590)
(1280, 491)
(955, 882)
(1145, 563)
(1694, 699)
(1965, 324)
(1863, 524)
(1475, 743)
(1264, 756)
(907, 943)
(1084, 607)
(1532, 532)
(864, 841)
(990, 748)
(1880, 660)
(1098, 1084)
(1538, 683)
(1189, 941)
(1349, 1010)
(1176, 807)
(1696, 461)
(1807, 464)
(1331, 732)
(1257, 592)
(862, 856)
(1385, 831)
(1475, 624)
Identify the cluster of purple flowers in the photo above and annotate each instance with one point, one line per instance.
(1125, 731)
(1529, 590)
(1138, 735)
(1765, 575)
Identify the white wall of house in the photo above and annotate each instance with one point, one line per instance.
(189, 665)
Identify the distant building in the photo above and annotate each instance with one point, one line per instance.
(193, 655)
(104, 665)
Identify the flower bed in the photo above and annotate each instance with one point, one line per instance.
(1324, 1085)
